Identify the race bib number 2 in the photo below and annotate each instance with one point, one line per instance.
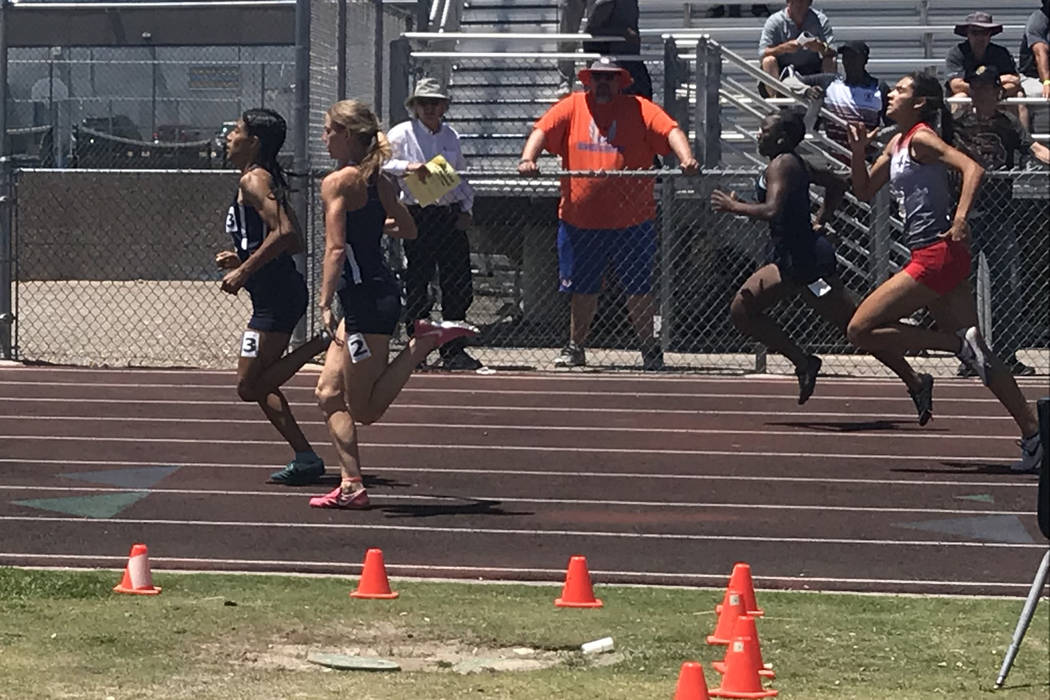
(250, 344)
(357, 347)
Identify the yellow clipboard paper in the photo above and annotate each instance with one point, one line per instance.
(441, 180)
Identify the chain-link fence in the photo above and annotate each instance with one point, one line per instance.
(139, 107)
(107, 275)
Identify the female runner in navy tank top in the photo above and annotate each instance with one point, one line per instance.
(265, 235)
(800, 261)
(915, 163)
(357, 385)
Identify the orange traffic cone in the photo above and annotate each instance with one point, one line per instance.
(745, 627)
(137, 578)
(373, 583)
(732, 607)
(577, 592)
(741, 679)
(691, 683)
(740, 580)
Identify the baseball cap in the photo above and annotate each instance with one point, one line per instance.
(988, 75)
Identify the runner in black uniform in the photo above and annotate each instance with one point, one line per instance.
(799, 259)
(265, 236)
(357, 385)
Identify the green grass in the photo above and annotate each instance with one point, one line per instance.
(64, 634)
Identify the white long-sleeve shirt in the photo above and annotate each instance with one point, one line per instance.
(412, 142)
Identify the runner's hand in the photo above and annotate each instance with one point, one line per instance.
(233, 280)
(330, 323)
(959, 232)
(227, 260)
(724, 201)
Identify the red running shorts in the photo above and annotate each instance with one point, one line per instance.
(941, 266)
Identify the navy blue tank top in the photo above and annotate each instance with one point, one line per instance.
(792, 224)
(365, 261)
(247, 230)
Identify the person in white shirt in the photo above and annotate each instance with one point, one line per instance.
(442, 242)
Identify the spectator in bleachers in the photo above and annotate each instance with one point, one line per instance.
(997, 140)
(797, 36)
(1035, 54)
(732, 9)
(441, 241)
(606, 18)
(607, 219)
(856, 96)
(978, 50)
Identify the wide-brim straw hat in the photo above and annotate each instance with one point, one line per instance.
(605, 65)
(429, 88)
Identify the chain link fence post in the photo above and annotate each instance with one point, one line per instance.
(7, 208)
(300, 144)
(880, 237)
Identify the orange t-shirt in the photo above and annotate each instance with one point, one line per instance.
(624, 134)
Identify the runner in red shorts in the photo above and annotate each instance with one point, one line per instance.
(916, 162)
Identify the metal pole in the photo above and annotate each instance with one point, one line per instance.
(377, 77)
(153, 93)
(262, 85)
(400, 70)
(1026, 618)
(340, 59)
(662, 324)
(880, 237)
(6, 203)
(301, 158)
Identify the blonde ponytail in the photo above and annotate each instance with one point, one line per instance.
(360, 122)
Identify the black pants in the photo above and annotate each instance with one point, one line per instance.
(439, 245)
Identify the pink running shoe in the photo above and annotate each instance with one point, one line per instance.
(445, 331)
(337, 498)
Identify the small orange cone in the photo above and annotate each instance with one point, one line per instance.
(729, 611)
(373, 583)
(740, 579)
(745, 627)
(741, 678)
(691, 683)
(137, 578)
(577, 592)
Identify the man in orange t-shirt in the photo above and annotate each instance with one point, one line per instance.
(606, 219)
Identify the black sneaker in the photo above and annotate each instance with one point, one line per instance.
(572, 355)
(461, 361)
(807, 378)
(652, 359)
(1020, 369)
(923, 398)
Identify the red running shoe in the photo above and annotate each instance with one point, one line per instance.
(445, 331)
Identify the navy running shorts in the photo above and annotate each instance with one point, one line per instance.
(372, 307)
(583, 255)
(277, 308)
(805, 263)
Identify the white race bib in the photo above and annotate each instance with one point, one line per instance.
(250, 344)
(357, 347)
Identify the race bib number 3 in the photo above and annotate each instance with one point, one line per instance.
(357, 347)
(250, 344)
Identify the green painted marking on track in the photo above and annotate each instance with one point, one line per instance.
(102, 506)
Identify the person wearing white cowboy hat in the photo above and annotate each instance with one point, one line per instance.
(607, 220)
(441, 243)
(963, 59)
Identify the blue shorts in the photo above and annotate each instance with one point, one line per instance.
(277, 307)
(372, 307)
(583, 255)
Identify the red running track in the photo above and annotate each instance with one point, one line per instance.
(666, 480)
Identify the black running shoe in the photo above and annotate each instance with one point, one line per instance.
(807, 378)
(923, 398)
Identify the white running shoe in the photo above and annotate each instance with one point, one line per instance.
(973, 352)
(1031, 456)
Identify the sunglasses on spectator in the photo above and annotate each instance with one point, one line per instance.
(979, 32)
(432, 101)
(604, 76)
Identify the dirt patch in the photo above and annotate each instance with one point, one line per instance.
(435, 657)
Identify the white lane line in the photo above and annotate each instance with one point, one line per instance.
(718, 578)
(467, 500)
(521, 392)
(520, 448)
(64, 463)
(542, 428)
(460, 531)
(855, 415)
